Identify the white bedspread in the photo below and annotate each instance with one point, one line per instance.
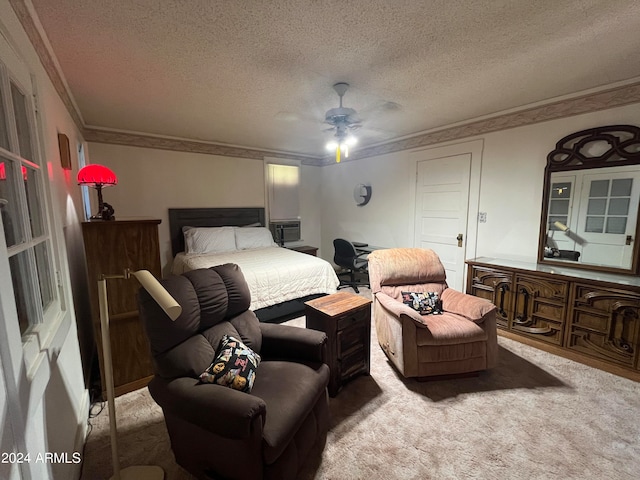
(274, 274)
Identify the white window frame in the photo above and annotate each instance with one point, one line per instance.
(84, 189)
(39, 335)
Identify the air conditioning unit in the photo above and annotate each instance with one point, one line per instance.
(285, 231)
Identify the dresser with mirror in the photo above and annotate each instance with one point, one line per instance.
(581, 299)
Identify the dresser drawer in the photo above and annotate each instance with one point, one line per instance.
(345, 321)
(606, 324)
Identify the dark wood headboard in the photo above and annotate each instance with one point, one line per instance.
(209, 217)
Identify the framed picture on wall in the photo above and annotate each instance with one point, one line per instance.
(65, 152)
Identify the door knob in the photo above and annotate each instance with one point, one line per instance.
(629, 240)
(459, 238)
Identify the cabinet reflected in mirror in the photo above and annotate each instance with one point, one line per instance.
(590, 201)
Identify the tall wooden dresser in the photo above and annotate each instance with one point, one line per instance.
(110, 248)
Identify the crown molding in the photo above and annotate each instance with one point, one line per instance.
(98, 135)
(602, 100)
(586, 103)
(26, 18)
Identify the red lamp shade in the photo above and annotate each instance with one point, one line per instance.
(3, 172)
(98, 176)
(95, 175)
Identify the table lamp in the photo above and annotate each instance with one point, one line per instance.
(98, 176)
(173, 310)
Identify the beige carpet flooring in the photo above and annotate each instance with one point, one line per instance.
(535, 416)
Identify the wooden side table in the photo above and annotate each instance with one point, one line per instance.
(305, 249)
(346, 319)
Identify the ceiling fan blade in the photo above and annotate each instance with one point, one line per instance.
(381, 108)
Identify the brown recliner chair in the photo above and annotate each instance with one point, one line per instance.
(461, 340)
(219, 432)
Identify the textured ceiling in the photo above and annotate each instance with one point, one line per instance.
(259, 74)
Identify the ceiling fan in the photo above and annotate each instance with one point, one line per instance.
(343, 121)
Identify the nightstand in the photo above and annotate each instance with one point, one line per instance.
(346, 319)
(305, 249)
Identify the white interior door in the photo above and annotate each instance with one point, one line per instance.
(608, 207)
(442, 205)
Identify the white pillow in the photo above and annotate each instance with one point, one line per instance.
(209, 239)
(254, 237)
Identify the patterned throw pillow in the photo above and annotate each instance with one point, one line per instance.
(235, 365)
(425, 303)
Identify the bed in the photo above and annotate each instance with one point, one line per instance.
(280, 280)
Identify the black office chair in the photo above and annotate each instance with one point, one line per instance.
(569, 255)
(345, 256)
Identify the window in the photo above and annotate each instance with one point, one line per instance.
(86, 202)
(608, 206)
(559, 204)
(22, 205)
(283, 184)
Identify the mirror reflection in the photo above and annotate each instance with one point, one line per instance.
(591, 198)
(592, 216)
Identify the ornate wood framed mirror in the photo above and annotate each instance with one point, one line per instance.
(590, 201)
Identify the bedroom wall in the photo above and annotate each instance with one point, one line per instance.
(511, 177)
(150, 181)
(385, 220)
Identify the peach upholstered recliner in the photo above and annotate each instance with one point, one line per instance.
(460, 340)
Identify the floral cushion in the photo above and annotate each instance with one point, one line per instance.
(425, 303)
(234, 366)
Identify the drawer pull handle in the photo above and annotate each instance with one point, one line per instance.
(521, 318)
(503, 290)
(537, 330)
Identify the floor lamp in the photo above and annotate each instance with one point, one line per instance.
(173, 310)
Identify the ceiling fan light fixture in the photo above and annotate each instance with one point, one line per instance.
(349, 141)
(341, 88)
(345, 148)
(340, 149)
(342, 120)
